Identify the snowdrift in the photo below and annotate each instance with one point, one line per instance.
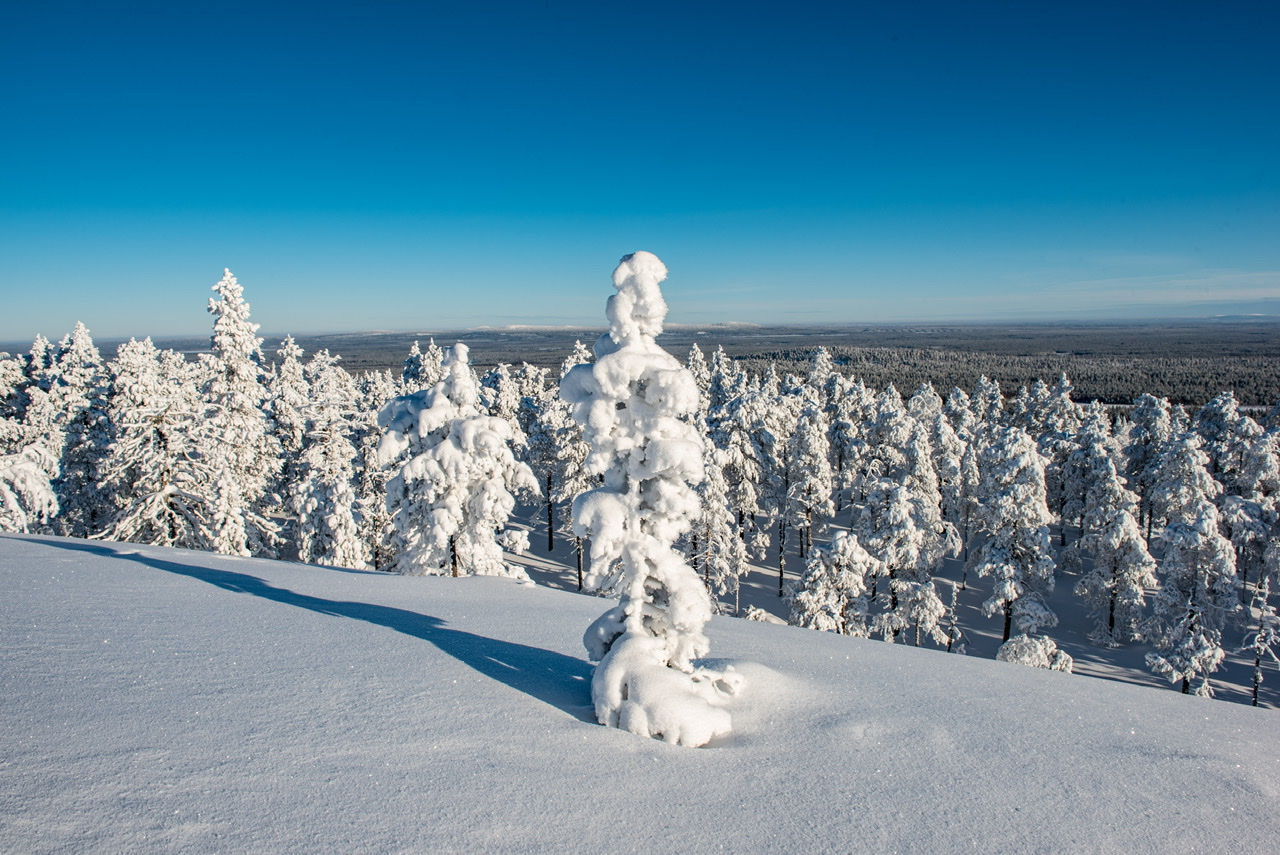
(161, 700)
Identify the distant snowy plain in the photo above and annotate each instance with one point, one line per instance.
(161, 700)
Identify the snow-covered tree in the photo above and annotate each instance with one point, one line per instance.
(241, 450)
(1150, 429)
(453, 493)
(810, 484)
(80, 394)
(156, 473)
(422, 369)
(831, 594)
(1264, 641)
(718, 550)
(1114, 586)
(1012, 518)
(323, 494)
(1199, 594)
(289, 394)
(632, 403)
(373, 521)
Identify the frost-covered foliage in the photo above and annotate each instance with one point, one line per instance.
(244, 453)
(1012, 521)
(1199, 593)
(322, 495)
(454, 492)
(717, 548)
(831, 593)
(27, 500)
(633, 403)
(1115, 584)
(162, 488)
(1264, 641)
(1035, 651)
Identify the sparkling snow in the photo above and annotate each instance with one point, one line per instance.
(162, 700)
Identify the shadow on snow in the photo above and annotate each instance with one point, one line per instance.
(553, 678)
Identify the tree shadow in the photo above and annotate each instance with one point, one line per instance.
(553, 678)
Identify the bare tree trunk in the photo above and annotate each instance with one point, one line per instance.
(578, 549)
(551, 523)
(782, 552)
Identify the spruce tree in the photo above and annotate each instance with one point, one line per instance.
(632, 403)
(454, 491)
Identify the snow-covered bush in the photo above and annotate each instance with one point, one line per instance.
(1035, 651)
(26, 495)
(632, 403)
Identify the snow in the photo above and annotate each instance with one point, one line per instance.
(161, 700)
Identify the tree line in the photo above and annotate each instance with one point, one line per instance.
(1167, 517)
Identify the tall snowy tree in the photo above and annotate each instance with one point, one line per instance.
(323, 495)
(632, 403)
(1199, 594)
(242, 450)
(161, 486)
(1150, 428)
(454, 491)
(1012, 518)
(80, 394)
(1115, 584)
(809, 490)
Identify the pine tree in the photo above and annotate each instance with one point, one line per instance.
(1012, 518)
(809, 490)
(719, 552)
(454, 491)
(371, 477)
(242, 450)
(1264, 641)
(1150, 429)
(632, 403)
(831, 593)
(1114, 586)
(323, 495)
(80, 395)
(1199, 594)
(156, 473)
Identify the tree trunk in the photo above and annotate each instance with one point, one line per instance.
(551, 523)
(782, 552)
(1008, 621)
(453, 556)
(578, 549)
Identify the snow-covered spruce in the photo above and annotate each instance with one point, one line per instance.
(632, 403)
(453, 494)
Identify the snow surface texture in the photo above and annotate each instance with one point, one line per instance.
(631, 403)
(161, 700)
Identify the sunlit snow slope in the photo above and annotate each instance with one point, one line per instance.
(158, 700)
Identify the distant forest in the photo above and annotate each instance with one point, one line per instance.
(1187, 362)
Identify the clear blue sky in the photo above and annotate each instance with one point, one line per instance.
(426, 165)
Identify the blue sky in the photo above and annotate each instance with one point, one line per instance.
(430, 166)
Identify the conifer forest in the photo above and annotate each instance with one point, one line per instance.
(834, 493)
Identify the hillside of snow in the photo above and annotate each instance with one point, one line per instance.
(161, 700)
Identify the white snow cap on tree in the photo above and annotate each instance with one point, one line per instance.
(631, 403)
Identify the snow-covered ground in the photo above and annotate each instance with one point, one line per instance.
(162, 700)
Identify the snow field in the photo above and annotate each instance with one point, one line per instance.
(167, 700)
